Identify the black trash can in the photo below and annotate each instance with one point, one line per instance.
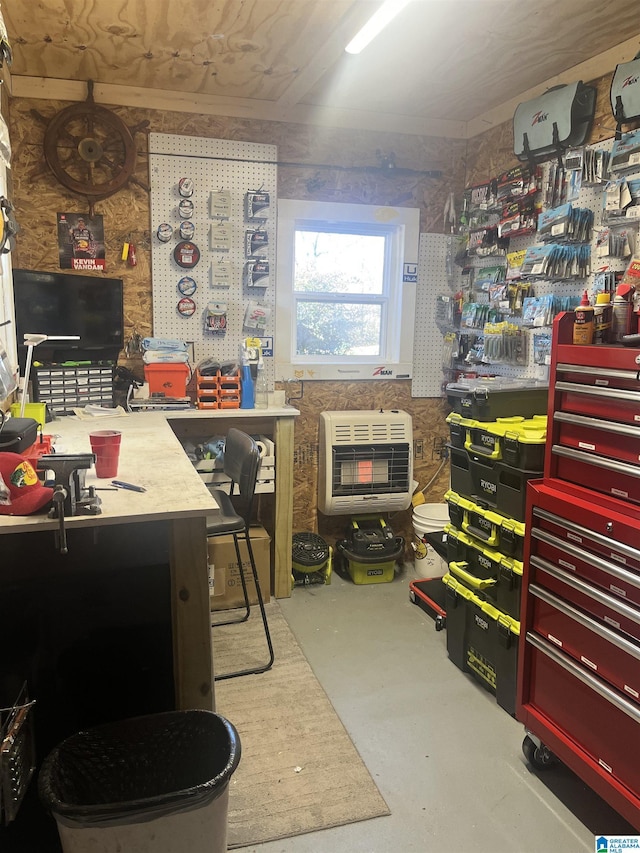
(156, 783)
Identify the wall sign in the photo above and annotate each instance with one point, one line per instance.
(81, 241)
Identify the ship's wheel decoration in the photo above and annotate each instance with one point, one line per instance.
(90, 150)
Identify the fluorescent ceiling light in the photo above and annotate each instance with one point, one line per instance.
(375, 24)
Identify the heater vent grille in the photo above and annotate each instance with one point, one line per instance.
(376, 431)
(366, 462)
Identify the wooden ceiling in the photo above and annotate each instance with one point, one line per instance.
(442, 67)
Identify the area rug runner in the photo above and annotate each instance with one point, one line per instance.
(299, 771)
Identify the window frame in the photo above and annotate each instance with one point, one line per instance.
(401, 229)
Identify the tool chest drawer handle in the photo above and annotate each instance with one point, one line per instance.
(608, 373)
(632, 578)
(597, 461)
(581, 618)
(619, 607)
(589, 535)
(605, 393)
(595, 423)
(585, 677)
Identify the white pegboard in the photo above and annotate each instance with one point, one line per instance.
(214, 165)
(428, 342)
(432, 280)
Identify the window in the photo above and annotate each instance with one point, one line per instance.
(345, 302)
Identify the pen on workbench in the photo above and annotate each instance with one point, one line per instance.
(120, 484)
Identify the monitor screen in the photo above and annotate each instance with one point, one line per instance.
(52, 303)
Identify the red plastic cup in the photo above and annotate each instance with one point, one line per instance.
(105, 444)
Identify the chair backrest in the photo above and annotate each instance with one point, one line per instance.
(241, 463)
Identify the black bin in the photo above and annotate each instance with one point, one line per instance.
(158, 783)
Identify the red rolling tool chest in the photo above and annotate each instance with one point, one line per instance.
(578, 689)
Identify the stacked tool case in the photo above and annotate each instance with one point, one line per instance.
(497, 443)
(579, 656)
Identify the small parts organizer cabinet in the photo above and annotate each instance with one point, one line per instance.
(579, 654)
(64, 388)
(218, 390)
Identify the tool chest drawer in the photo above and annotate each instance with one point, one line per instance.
(614, 578)
(612, 440)
(618, 405)
(596, 472)
(599, 721)
(611, 611)
(604, 651)
(609, 534)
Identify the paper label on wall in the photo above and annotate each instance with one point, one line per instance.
(81, 243)
(219, 274)
(220, 204)
(219, 237)
(410, 273)
(266, 345)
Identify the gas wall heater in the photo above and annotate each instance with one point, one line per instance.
(365, 462)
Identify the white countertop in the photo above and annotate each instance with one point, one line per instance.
(213, 414)
(150, 456)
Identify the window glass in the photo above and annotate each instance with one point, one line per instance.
(344, 307)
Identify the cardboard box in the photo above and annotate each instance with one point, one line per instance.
(225, 586)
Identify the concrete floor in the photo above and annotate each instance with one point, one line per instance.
(446, 758)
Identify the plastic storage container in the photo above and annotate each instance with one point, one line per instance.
(485, 564)
(516, 441)
(157, 783)
(482, 641)
(495, 484)
(502, 534)
(502, 588)
(166, 379)
(497, 397)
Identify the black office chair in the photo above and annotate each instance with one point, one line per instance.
(241, 461)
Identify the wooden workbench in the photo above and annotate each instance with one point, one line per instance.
(176, 502)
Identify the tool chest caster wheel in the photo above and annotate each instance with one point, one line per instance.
(441, 623)
(538, 755)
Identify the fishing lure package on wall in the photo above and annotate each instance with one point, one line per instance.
(561, 118)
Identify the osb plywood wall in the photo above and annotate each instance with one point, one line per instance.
(326, 155)
(491, 153)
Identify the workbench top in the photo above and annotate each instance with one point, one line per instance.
(150, 456)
